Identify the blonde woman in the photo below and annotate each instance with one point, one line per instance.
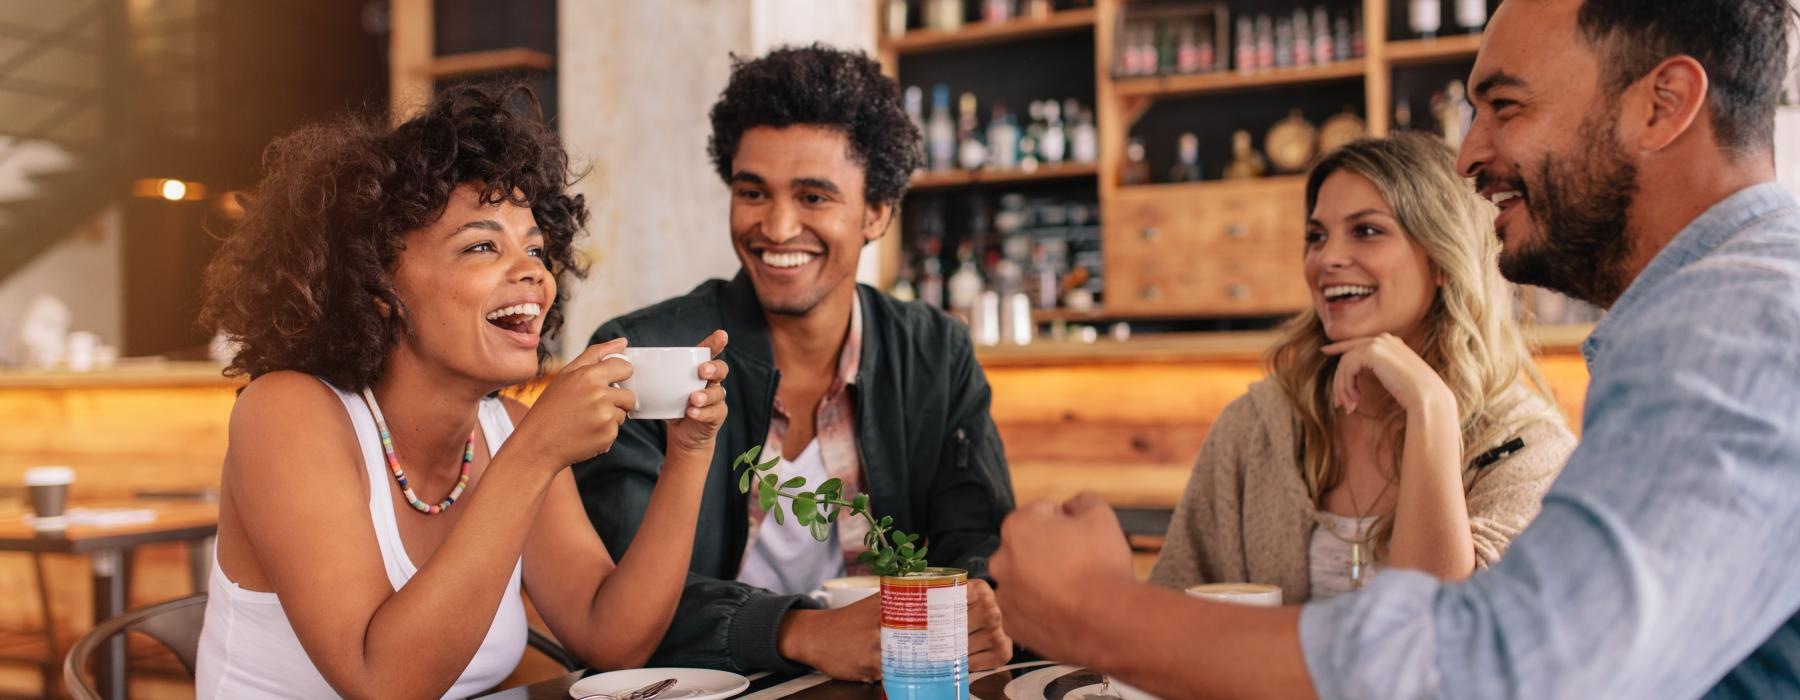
(1404, 424)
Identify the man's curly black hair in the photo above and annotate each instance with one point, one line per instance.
(301, 280)
(824, 87)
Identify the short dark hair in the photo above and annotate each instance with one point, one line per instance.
(1741, 43)
(825, 87)
(298, 279)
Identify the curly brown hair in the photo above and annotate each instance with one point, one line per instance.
(301, 280)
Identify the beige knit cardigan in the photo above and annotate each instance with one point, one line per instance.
(1246, 515)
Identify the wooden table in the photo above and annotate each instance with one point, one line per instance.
(1029, 680)
(191, 522)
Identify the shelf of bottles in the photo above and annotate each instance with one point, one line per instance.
(947, 24)
(1190, 50)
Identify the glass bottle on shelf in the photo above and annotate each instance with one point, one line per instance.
(1003, 140)
(1084, 140)
(1284, 43)
(996, 11)
(896, 18)
(1357, 47)
(1054, 145)
(1187, 163)
(971, 154)
(1402, 112)
(1245, 47)
(1208, 55)
(915, 113)
(1323, 51)
(903, 288)
(941, 131)
(1043, 278)
(1137, 170)
(1340, 39)
(1425, 17)
(1187, 52)
(1246, 163)
(965, 284)
(1265, 42)
(1471, 15)
(1037, 9)
(931, 283)
(1166, 48)
(944, 15)
(1302, 47)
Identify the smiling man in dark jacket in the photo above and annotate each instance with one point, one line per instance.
(839, 379)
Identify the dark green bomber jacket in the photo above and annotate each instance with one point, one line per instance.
(931, 458)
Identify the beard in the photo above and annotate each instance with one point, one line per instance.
(1580, 209)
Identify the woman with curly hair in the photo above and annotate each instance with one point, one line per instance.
(376, 523)
(1405, 424)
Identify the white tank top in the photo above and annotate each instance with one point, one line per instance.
(247, 647)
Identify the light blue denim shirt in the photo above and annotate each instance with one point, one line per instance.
(1666, 562)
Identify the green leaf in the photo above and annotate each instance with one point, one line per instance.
(744, 481)
(820, 530)
(769, 482)
(794, 483)
(832, 486)
(861, 504)
(805, 509)
(766, 499)
(778, 519)
(748, 457)
(887, 521)
(834, 513)
(765, 466)
(920, 555)
(906, 550)
(869, 539)
(866, 558)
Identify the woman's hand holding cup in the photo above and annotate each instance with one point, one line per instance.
(699, 424)
(579, 413)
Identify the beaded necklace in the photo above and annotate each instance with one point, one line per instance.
(387, 447)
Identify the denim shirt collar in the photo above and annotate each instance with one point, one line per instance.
(1699, 238)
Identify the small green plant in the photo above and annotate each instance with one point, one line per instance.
(890, 552)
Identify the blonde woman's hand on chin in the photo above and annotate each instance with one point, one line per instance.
(579, 413)
(699, 424)
(1414, 385)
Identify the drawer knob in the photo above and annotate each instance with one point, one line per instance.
(1150, 233)
(1238, 230)
(1150, 293)
(1237, 291)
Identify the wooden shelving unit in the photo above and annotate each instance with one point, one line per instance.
(1154, 222)
(1416, 51)
(1174, 86)
(983, 33)
(964, 178)
(496, 61)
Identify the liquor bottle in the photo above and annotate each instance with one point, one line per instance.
(1187, 52)
(1456, 115)
(1166, 49)
(1245, 161)
(1209, 55)
(1357, 47)
(931, 283)
(1471, 14)
(1084, 140)
(1425, 17)
(915, 113)
(965, 285)
(941, 131)
(944, 15)
(1043, 278)
(996, 11)
(1246, 47)
(1187, 165)
(1265, 42)
(971, 154)
(1322, 49)
(1284, 43)
(1137, 171)
(896, 18)
(903, 288)
(1402, 112)
(1303, 36)
(1003, 140)
(1038, 9)
(1054, 145)
(1340, 38)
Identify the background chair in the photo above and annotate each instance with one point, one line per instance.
(176, 625)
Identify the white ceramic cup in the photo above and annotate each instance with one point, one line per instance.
(79, 351)
(663, 379)
(1258, 594)
(839, 592)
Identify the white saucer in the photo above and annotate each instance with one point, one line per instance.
(690, 683)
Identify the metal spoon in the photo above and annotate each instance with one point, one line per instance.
(645, 693)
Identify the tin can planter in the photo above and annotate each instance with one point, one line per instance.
(925, 635)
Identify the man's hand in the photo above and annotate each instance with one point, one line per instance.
(844, 643)
(1053, 563)
(989, 646)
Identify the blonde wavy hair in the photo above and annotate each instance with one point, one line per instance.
(1472, 335)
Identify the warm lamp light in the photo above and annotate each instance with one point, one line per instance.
(173, 190)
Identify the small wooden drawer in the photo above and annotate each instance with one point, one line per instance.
(1208, 249)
